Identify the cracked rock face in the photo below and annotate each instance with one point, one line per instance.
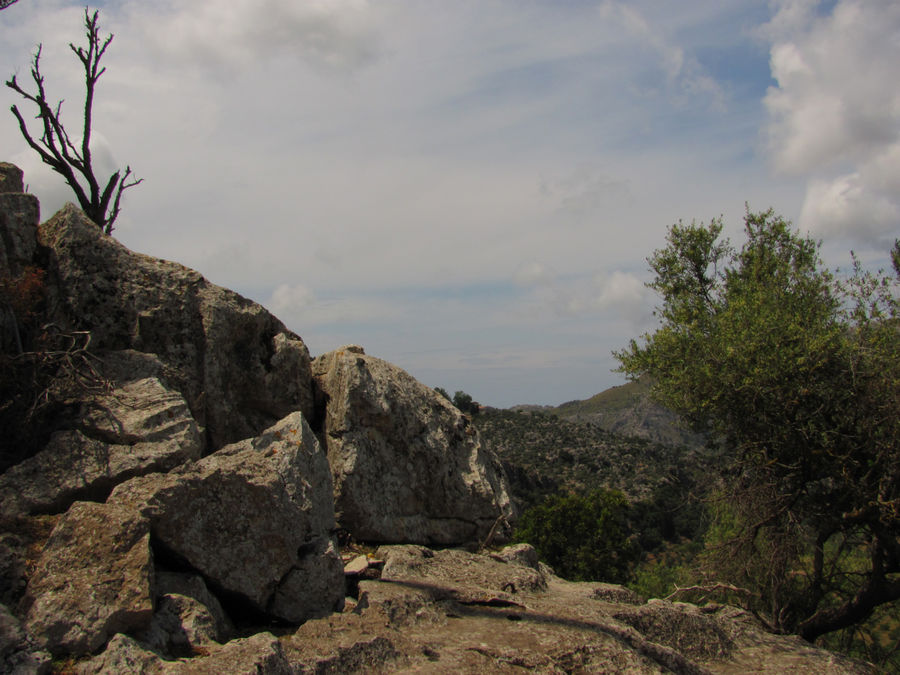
(254, 518)
(407, 465)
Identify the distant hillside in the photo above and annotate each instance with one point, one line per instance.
(544, 453)
(628, 410)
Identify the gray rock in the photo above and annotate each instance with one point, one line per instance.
(187, 615)
(17, 653)
(123, 654)
(407, 465)
(239, 369)
(11, 178)
(19, 216)
(520, 554)
(254, 518)
(94, 579)
(137, 428)
(180, 626)
(260, 654)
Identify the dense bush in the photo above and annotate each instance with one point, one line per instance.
(584, 538)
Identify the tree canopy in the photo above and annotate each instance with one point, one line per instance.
(795, 374)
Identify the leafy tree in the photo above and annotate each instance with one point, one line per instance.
(6, 3)
(584, 538)
(464, 402)
(796, 375)
(442, 392)
(56, 148)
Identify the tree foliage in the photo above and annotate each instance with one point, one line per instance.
(584, 538)
(464, 402)
(796, 376)
(54, 145)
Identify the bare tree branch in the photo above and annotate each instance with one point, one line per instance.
(56, 148)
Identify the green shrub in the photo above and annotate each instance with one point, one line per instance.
(584, 538)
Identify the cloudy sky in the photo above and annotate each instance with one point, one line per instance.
(470, 189)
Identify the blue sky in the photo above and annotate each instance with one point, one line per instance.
(470, 189)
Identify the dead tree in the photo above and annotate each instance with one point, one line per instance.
(55, 146)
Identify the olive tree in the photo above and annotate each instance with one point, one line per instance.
(73, 160)
(795, 375)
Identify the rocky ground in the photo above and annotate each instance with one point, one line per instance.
(450, 611)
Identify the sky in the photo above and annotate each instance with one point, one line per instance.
(470, 189)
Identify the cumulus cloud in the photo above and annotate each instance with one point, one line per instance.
(831, 116)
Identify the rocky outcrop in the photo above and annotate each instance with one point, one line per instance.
(239, 369)
(407, 465)
(255, 519)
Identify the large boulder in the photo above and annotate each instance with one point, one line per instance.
(132, 428)
(407, 465)
(255, 519)
(237, 366)
(94, 579)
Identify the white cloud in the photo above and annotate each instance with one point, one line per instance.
(833, 116)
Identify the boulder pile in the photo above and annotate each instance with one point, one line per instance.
(177, 477)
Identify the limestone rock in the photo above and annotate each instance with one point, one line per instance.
(139, 427)
(489, 577)
(254, 518)
(407, 465)
(19, 217)
(93, 579)
(11, 178)
(237, 366)
(187, 618)
(260, 654)
(17, 653)
(123, 654)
